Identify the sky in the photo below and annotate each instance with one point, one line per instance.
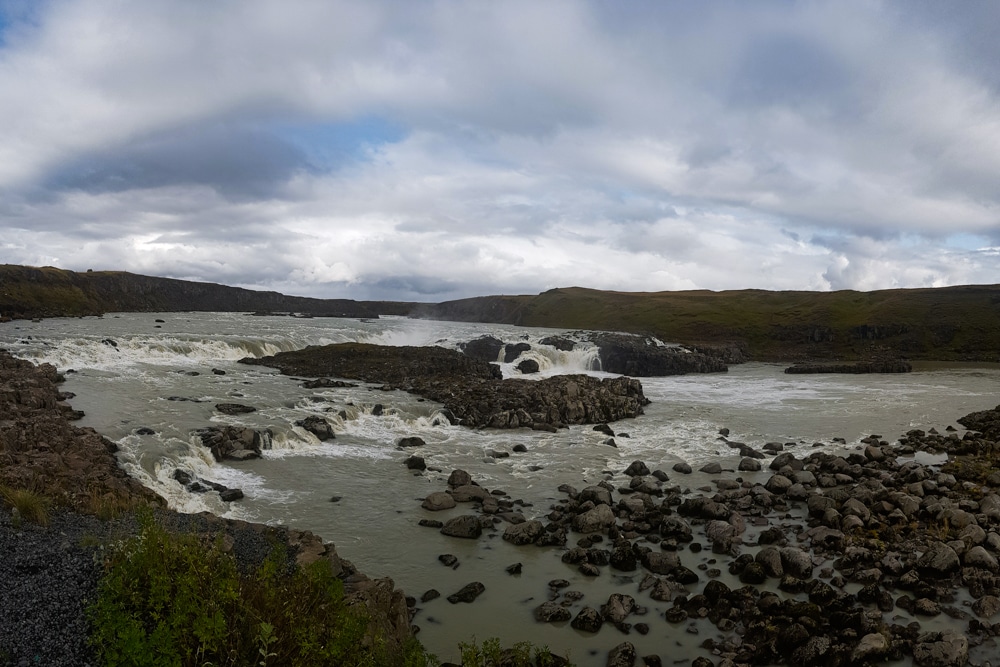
(425, 150)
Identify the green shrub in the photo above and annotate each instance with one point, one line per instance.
(171, 599)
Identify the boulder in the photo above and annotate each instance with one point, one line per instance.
(411, 441)
(940, 560)
(594, 520)
(437, 501)
(234, 408)
(467, 593)
(527, 367)
(588, 620)
(523, 533)
(465, 526)
(949, 648)
(551, 612)
(618, 607)
(318, 426)
(622, 655)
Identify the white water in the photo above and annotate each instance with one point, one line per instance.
(129, 385)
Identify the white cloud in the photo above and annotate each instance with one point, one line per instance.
(655, 146)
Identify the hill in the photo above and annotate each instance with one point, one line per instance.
(29, 292)
(947, 323)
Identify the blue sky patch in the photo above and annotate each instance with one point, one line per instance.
(330, 146)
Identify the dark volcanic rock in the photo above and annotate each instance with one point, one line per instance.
(641, 357)
(234, 408)
(318, 426)
(486, 348)
(467, 593)
(472, 390)
(527, 366)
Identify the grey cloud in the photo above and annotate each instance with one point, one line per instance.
(239, 162)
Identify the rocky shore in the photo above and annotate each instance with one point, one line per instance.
(470, 389)
(51, 572)
(886, 553)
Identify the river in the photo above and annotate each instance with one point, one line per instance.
(165, 372)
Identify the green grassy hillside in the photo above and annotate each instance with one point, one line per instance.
(953, 323)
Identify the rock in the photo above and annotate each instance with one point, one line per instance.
(551, 612)
(459, 478)
(431, 594)
(622, 655)
(467, 593)
(987, 606)
(682, 467)
(527, 367)
(595, 520)
(748, 464)
(415, 463)
(558, 342)
(979, 557)
(234, 408)
(796, 562)
(618, 607)
(871, 647)
(778, 484)
(711, 468)
(513, 351)
(523, 533)
(940, 560)
(588, 620)
(229, 495)
(637, 468)
(411, 441)
(595, 494)
(484, 348)
(949, 648)
(439, 500)
(513, 569)
(318, 426)
(661, 562)
(465, 526)
(449, 560)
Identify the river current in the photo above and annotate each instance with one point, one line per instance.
(155, 371)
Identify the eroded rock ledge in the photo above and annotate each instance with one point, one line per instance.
(471, 389)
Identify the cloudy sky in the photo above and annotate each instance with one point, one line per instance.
(424, 150)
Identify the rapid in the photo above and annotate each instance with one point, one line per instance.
(164, 373)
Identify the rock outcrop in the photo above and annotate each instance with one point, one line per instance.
(471, 390)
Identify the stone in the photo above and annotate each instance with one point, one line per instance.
(467, 593)
(437, 501)
(523, 533)
(318, 426)
(871, 647)
(594, 520)
(234, 408)
(945, 649)
(465, 526)
(713, 468)
(415, 463)
(411, 441)
(987, 606)
(637, 468)
(622, 655)
(979, 557)
(618, 607)
(459, 478)
(682, 467)
(230, 495)
(940, 560)
(551, 612)
(748, 464)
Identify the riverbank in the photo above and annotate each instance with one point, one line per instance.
(754, 504)
(66, 499)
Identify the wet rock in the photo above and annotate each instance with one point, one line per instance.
(979, 557)
(944, 649)
(467, 593)
(411, 441)
(637, 468)
(234, 408)
(594, 520)
(459, 478)
(527, 366)
(415, 463)
(588, 620)
(748, 464)
(431, 594)
(940, 560)
(713, 468)
(439, 500)
(523, 533)
(987, 606)
(622, 655)
(551, 612)
(466, 526)
(449, 560)
(513, 569)
(617, 608)
(871, 647)
(229, 495)
(682, 467)
(318, 426)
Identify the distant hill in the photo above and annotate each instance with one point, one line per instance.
(29, 292)
(947, 323)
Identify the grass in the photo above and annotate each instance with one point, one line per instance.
(171, 599)
(492, 654)
(26, 505)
